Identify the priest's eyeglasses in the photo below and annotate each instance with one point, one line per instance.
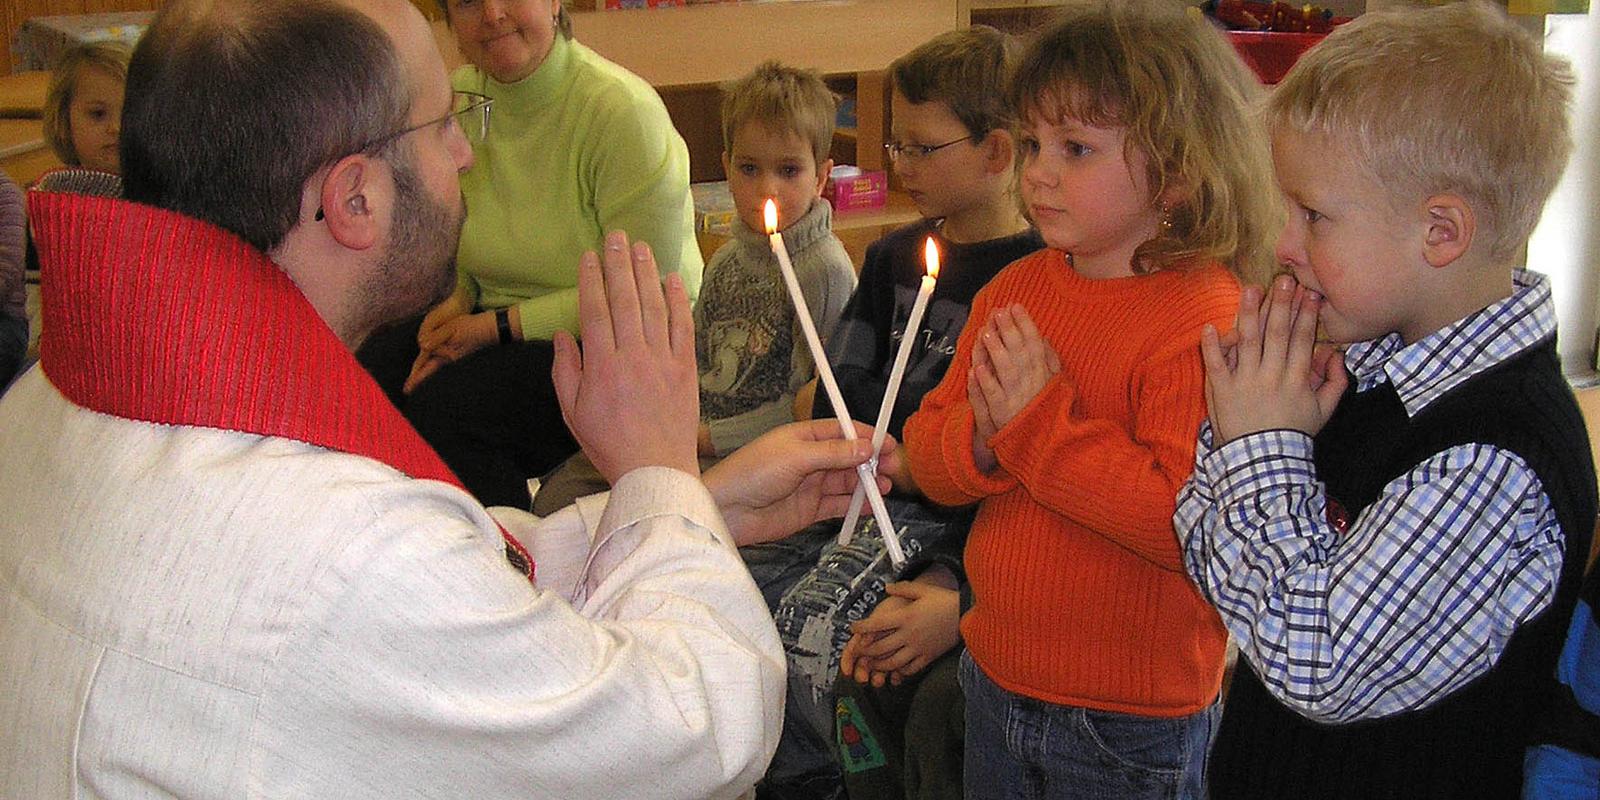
(468, 110)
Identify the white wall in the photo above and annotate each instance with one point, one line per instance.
(1566, 244)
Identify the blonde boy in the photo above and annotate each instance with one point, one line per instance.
(777, 127)
(1394, 534)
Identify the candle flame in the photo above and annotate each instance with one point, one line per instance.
(770, 215)
(930, 256)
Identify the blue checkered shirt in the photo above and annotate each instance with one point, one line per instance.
(1422, 591)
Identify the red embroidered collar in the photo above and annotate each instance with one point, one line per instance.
(158, 317)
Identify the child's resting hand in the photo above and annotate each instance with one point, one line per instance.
(853, 660)
(1276, 376)
(916, 624)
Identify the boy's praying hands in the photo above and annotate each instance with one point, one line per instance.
(1269, 373)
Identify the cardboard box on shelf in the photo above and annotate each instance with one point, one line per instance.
(713, 207)
(850, 188)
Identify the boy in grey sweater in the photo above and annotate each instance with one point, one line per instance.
(777, 128)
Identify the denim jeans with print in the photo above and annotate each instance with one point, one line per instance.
(814, 616)
(1019, 747)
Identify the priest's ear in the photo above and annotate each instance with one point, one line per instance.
(345, 202)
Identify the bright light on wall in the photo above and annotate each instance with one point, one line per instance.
(1566, 243)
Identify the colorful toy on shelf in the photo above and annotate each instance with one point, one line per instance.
(624, 5)
(713, 208)
(1245, 15)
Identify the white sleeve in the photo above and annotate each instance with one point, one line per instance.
(644, 664)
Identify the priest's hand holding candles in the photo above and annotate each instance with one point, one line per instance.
(868, 478)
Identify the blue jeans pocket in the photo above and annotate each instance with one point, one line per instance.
(1020, 747)
(1144, 744)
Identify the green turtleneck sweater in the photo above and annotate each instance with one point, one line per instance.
(578, 148)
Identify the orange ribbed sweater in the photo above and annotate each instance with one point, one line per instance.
(1081, 596)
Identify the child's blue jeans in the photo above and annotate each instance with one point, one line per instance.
(1019, 747)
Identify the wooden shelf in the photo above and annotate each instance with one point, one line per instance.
(18, 136)
(710, 44)
(898, 211)
(855, 229)
(693, 50)
(1013, 5)
(23, 153)
(22, 94)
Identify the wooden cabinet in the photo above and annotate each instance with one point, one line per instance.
(687, 53)
(23, 154)
(692, 50)
(13, 12)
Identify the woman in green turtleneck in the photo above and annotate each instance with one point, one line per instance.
(577, 147)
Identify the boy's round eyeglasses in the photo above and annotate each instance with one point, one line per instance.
(916, 151)
(471, 113)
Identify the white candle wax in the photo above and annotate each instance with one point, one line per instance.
(891, 393)
(868, 478)
(902, 356)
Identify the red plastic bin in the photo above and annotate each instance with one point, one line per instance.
(1271, 53)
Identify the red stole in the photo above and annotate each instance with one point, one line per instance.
(157, 317)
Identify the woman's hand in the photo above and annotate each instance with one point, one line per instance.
(448, 333)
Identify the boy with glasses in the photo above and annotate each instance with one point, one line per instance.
(953, 153)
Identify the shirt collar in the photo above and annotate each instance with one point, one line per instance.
(207, 332)
(1444, 359)
(816, 223)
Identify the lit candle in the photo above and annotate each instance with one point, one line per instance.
(930, 257)
(866, 473)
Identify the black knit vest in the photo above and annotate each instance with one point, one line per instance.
(1470, 743)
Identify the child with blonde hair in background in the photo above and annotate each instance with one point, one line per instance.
(83, 126)
(83, 106)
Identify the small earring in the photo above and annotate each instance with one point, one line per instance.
(1166, 220)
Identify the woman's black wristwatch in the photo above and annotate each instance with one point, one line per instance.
(502, 320)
